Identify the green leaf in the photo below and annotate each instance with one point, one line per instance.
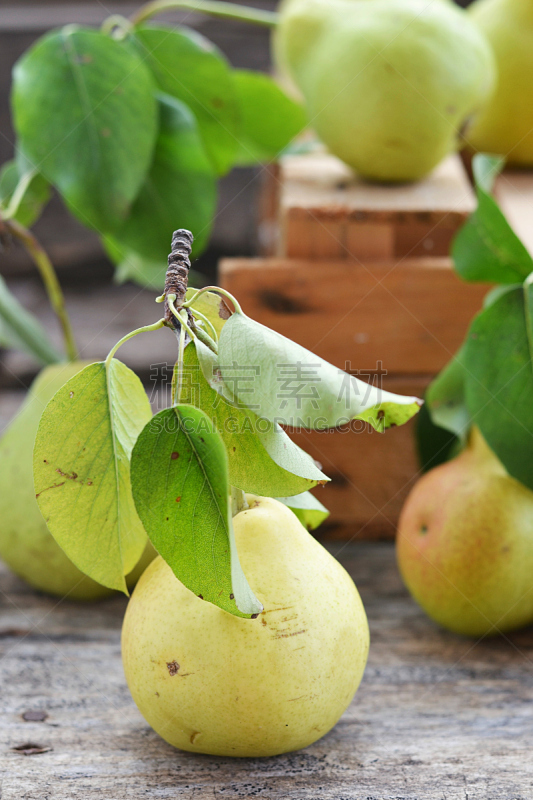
(307, 508)
(486, 248)
(181, 488)
(189, 67)
(212, 306)
(446, 398)
(287, 384)
(486, 169)
(147, 272)
(35, 197)
(262, 459)
(20, 330)
(180, 190)
(131, 266)
(269, 118)
(498, 291)
(82, 470)
(210, 368)
(86, 117)
(498, 361)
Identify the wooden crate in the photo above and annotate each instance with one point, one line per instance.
(397, 323)
(410, 316)
(362, 278)
(318, 208)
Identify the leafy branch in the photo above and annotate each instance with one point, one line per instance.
(134, 111)
(489, 382)
(182, 475)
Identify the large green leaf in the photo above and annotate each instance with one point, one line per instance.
(82, 470)
(20, 330)
(269, 119)
(262, 459)
(498, 360)
(180, 190)
(189, 67)
(34, 198)
(307, 508)
(486, 248)
(86, 117)
(285, 383)
(180, 483)
(131, 266)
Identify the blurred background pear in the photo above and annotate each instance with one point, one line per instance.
(389, 85)
(465, 544)
(26, 545)
(505, 125)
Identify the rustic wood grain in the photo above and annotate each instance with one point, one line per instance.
(437, 717)
(326, 211)
(411, 315)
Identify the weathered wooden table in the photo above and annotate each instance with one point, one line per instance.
(436, 716)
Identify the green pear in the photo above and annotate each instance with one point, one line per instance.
(465, 544)
(388, 84)
(505, 125)
(26, 545)
(210, 682)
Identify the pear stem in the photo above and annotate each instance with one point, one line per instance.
(18, 195)
(50, 281)
(177, 279)
(181, 316)
(214, 8)
(238, 501)
(178, 385)
(117, 26)
(190, 303)
(145, 329)
(208, 322)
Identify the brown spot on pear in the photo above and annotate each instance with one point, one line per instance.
(227, 656)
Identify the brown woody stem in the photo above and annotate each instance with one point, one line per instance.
(177, 277)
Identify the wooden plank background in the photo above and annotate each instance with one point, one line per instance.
(410, 315)
(326, 211)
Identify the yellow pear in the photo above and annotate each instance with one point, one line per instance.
(388, 84)
(26, 545)
(465, 544)
(210, 682)
(505, 125)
